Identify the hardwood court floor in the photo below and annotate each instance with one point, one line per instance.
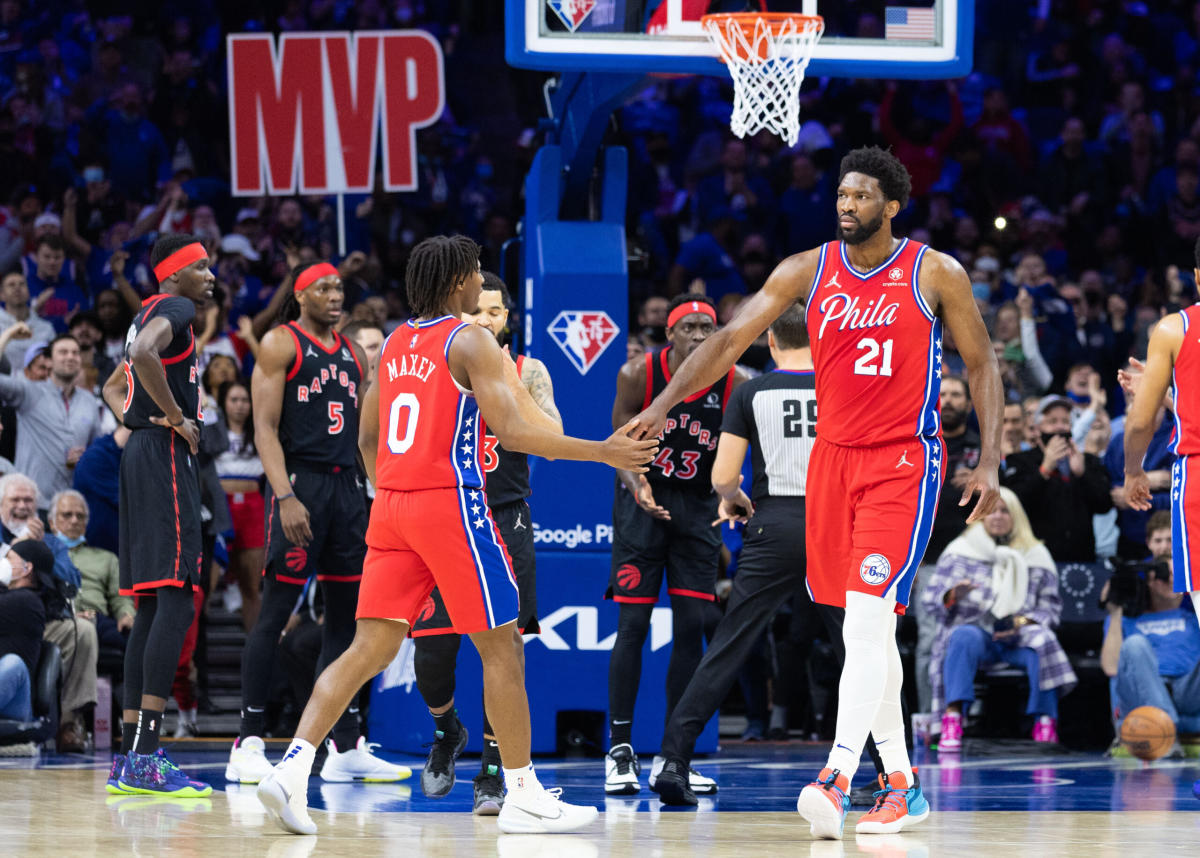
(1078, 806)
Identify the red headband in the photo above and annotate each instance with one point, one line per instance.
(313, 273)
(181, 258)
(687, 310)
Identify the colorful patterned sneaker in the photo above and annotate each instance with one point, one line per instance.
(952, 731)
(114, 774)
(1045, 729)
(155, 774)
(824, 803)
(897, 806)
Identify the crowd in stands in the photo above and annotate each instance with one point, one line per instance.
(1063, 173)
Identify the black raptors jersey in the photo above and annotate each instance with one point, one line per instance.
(505, 474)
(178, 358)
(319, 421)
(689, 439)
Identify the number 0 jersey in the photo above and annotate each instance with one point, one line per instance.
(876, 347)
(689, 440)
(429, 425)
(319, 420)
(178, 359)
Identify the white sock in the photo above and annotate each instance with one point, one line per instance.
(888, 726)
(297, 763)
(521, 780)
(869, 622)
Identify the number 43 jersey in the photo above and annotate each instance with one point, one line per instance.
(877, 349)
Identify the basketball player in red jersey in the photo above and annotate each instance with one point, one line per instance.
(430, 525)
(875, 305)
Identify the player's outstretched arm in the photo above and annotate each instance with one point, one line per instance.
(530, 410)
(145, 353)
(536, 379)
(789, 282)
(476, 361)
(957, 308)
(1142, 417)
(267, 382)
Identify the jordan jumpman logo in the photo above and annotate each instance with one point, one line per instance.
(904, 460)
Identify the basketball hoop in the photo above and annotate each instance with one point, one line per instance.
(767, 54)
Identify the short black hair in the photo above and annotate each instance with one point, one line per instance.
(86, 316)
(882, 166)
(493, 283)
(951, 376)
(60, 338)
(789, 328)
(435, 267)
(168, 244)
(688, 298)
(52, 241)
(352, 328)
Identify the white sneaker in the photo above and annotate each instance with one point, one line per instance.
(185, 726)
(542, 811)
(288, 807)
(621, 769)
(700, 784)
(360, 764)
(248, 762)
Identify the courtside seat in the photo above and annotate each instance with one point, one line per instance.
(46, 683)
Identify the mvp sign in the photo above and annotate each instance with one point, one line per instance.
(306, 116)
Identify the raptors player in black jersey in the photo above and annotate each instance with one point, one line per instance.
(663, 520)
(156, 393)
(506, 476)
(306, 388)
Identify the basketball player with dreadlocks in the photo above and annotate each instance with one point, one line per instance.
(506, 476)
(430, 526)
(306, 389)
(156, 394)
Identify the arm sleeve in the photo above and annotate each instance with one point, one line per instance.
(13, 388)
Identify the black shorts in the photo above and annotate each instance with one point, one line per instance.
(687, 546)
(337, 516)
(516, 529)
(159, 513)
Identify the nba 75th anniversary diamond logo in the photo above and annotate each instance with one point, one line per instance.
(583, 335)
(572, 12)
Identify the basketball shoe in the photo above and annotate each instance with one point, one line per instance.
(700, 784)
(155, 774)
(285, 796)
(437, 778)
(672, 784)
(360, 764)
(952, 732)
(489, 794)
(1045, 729)
(537, 810)
(248, 762)
(621, 770)
(113, 786)
(897, 806)
(824, 803)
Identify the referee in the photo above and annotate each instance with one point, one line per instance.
(775, 415)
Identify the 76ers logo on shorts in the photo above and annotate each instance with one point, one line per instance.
(572, 12)
(628, 577)
(875, 569)
(583, 335)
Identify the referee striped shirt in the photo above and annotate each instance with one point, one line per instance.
(777, 414)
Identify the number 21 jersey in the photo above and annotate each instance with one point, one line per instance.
(876, 347)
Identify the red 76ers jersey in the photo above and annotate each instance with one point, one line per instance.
(876, 347)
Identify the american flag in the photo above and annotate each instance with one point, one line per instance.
(906, 22)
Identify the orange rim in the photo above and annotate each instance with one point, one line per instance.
(774, 20)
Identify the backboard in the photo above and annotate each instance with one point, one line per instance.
(863, 38)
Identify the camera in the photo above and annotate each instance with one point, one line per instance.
(1129, 585)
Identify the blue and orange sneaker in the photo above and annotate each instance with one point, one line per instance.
(114, 774)
(155, 774)
(824, 803)
(897, 806)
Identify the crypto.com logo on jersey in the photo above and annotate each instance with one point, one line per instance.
(306, 116)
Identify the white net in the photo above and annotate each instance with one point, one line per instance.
(767, 57)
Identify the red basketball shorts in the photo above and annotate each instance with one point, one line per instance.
(869, 515)
(1185, 523)
(442, 537)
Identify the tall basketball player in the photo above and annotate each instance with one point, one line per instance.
(306, 388)
(875, 306)
(662, 521)
(506, 480)
(156, 392)
(431, 526)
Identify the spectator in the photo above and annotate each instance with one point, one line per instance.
(50, 272)
(97, 479)
(56, 419)
(370, 337)
(36, 362)
(921, 149)
(708, 257)
(1104, 524)
(99, 598)
(1059, 485)
(995, 595)
(652, 320)
(136, 152)
(95, 365)
(241, 473)
(962, 455)
(804, 208)
(22, 622)
(1157, 462)
(1154, 654)
(14, 292)
(75, 637)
